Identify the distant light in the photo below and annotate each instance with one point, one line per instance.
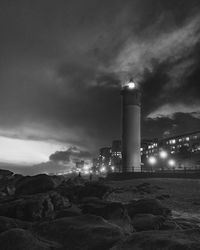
(86, 172)
(102, 169)
(113, 168)
(163, 154)
(152, 160)
(86, 167)
(171, 162)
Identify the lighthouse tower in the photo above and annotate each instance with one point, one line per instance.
(131, 135)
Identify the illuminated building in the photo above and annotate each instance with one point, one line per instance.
(104, 159)
(185, 148)
(131, 160)
(153, 150)
(116, 155)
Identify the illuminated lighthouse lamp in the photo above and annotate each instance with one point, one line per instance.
(131, 84)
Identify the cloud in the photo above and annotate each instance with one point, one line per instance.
(173, 45)
(181, 123)
(61, 67)
(72, 154)
(169, 110)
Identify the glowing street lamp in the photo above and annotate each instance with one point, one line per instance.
(102, 169)
(152, 160)
(171, 163)
(163, 154)
(112, 168)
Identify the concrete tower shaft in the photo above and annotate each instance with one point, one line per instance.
(131, 135)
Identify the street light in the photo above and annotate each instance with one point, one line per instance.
(152, 160)
(112, 168)
(163, 154)
(102, 169)
(171, 163)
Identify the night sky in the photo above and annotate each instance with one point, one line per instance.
(62, 64)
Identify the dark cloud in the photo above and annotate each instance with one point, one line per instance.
(71, 154)
(180, 123)
(62, 64)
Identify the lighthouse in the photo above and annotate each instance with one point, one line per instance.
(131, 135)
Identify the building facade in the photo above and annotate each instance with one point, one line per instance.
(182, 151)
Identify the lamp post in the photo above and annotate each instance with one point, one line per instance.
(163, 155)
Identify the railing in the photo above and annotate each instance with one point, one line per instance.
(186, 173)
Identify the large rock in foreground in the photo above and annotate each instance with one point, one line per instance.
(34, 207)
(37, 184)
(19, 239)
(162, 240)
(10, 223)
(147, 206)
(77, 191)
(114, 212)
(86, 232)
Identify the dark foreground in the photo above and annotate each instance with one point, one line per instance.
(49, 212)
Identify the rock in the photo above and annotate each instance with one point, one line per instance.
(76, 192)
(77, 180)
(9, 223)
(68, 212)
(147, 206)
(180, 224)
(20, 239)
(10, 189)
(142, 222)
(6, 179)
(163, 196)
(59, 202)
(147, 188)
(91, 200)
(36, 184)
(86, 232)
(5, 173)
(94, 189)
(114, 212)
(33, 207)
(161, 240)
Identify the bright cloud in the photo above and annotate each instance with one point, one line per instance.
(26, 151)
(168, 110)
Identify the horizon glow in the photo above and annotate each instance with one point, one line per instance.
(26, 152)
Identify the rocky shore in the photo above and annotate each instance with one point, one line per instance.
(52, 212)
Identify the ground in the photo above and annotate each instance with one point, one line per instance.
(184, 194)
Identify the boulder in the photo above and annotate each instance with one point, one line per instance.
(147, 206)
(9, 223)
(20, 239)
(36, 184)
(33, 207)
(143, 222)
(163, 196)
(94, 189)
(181, 223)
(114, 212)
(68, 212)
(76, 192)
(161, 240)
(86, 232)
(5, 173)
